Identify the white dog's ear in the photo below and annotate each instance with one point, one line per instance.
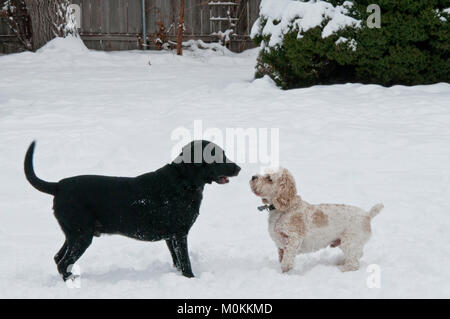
(286, 191)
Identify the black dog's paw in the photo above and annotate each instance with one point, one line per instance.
(188, 275)
(70, 276)
(66, 276)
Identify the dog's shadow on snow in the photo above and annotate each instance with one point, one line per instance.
(113, 274)
(306, 262)
(152, 271)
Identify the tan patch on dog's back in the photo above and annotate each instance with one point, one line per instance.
(296, 224)
(320, 219)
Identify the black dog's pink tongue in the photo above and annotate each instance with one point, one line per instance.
(223, 180)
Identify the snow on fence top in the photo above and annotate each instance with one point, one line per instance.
(285, 15)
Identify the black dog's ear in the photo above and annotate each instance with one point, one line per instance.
(192, 173)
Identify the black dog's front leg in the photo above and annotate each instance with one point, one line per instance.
(170, 245)
(181, 251)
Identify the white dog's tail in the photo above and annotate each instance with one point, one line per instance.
(375, 210)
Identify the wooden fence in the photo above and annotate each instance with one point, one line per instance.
(117, 24)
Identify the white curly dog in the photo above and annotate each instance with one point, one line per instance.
(299, 227)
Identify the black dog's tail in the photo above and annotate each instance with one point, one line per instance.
(36, 182)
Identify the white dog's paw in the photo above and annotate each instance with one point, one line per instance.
(286, 267)
(348, 267)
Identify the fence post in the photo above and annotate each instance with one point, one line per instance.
(144, 27)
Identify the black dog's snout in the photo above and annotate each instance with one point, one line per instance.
(254, 177)
(237, 169)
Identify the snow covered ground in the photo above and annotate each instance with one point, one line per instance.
(113, 114)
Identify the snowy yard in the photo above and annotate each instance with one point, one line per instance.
(113, 114)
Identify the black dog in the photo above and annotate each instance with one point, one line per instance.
(161, 205)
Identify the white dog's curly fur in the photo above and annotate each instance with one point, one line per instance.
(299, 227)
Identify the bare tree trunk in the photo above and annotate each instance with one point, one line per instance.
(49, 19)
(180, 29)
(15, 14)
(35, 22)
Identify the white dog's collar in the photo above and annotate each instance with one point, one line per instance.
(266, 207)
